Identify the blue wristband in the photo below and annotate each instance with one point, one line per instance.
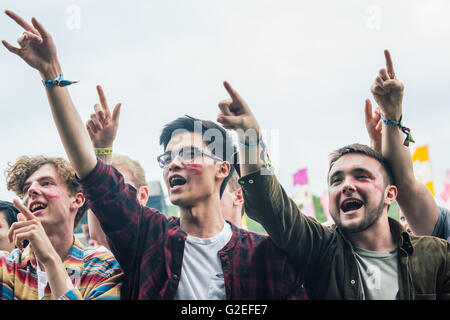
(57, 82)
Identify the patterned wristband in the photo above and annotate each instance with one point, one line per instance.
(405, 130)
(57, 82)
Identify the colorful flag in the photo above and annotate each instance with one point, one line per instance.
(325, 202)
(244, 222)
(302, 194)
(301, 177)
(422, 167)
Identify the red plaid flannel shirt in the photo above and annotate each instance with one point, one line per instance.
(149, 247)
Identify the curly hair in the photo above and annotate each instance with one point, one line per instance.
(18, 172)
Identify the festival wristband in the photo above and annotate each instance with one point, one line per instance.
(103, 151)
(405, 130)
(59, 81)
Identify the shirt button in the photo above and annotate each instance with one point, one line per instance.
(242, 182)
(250, 181)
(352, 282)
(175, 277)
(180, 239)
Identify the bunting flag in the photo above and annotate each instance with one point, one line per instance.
(445, 195)
(302, 194)
(244, 222)
(325, 202)
(422, 167)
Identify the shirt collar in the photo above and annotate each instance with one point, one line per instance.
(401, 237)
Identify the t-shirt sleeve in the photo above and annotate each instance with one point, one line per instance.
(442, 227)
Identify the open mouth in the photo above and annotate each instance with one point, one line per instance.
(36, 206)
(351, 205)
(175, 181)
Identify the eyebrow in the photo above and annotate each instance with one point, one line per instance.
(353, 171)
(40, 179)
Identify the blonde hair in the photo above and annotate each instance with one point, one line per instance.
(134, 168)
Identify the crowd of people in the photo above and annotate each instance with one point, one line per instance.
(205, 253)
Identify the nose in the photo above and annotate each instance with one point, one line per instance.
(33, 190)
(175, 164)
(348, 187)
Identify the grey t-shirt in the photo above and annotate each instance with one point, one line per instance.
(442, 228)
(379, 274)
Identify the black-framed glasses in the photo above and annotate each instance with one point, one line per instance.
(187, 155)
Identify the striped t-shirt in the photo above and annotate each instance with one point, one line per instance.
(95, 275)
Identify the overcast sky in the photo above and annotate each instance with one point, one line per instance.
(304, 68)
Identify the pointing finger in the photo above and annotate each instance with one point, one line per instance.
(235, 95)
(103, 101)
(21, 22)
(389, 64)
(24, 210)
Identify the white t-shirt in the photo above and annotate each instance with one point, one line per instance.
(201, 272)
(42, 281)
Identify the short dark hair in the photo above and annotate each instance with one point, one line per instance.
(10, 212)
(367, 151)
(190, 124)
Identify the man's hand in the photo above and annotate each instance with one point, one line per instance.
(36, 47)
(373, 126)
(235, 114)
(102, 126)
(30, 228)
(388, 91)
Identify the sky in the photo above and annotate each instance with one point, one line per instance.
(304, 68)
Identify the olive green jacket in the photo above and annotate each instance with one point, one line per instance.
(327, 259)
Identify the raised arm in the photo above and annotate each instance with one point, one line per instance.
(37, 48)
(414, 199)
(302, 237)
(102, 128)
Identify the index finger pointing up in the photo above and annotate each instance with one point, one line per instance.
(24, 210)
(389, 64)
(103, 102)
(234, 95)
(21, 22)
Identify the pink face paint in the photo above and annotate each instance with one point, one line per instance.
(194, 168)
(51, 195)
(373, 182)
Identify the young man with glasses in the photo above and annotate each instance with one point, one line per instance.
(196, 256)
